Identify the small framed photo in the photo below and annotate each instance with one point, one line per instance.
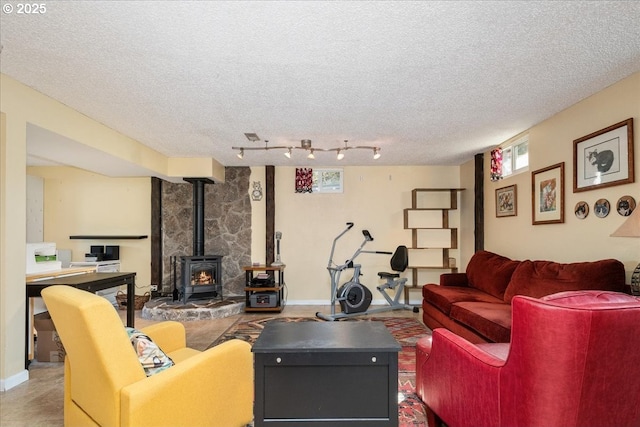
(507, 201)
(601, 208)
(625, 205)
(581, 210)
(547, 195)
(604, 158)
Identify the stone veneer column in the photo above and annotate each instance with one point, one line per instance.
(227, 226)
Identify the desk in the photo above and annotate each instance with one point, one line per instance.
(326, 374)
(91, 282)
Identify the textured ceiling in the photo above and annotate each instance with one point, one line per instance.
(431, 83)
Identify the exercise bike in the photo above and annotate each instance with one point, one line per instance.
(355, 298)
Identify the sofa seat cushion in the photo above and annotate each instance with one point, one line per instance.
(443, 297)
(490, 272)
(540, 278)
(491, 320)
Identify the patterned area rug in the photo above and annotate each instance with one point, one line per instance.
(411, 410)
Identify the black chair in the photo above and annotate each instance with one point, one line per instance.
(399, 263)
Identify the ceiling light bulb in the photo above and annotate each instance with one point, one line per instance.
(241, 153)
(376, 154)
(311, 155)
(288, 154)
(340, 155)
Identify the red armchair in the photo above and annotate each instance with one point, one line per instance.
(573, 360)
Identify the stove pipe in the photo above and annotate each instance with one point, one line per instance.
(198, 213)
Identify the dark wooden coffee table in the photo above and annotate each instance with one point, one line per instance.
(326, 374)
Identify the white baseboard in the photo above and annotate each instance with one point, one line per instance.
(14, 380)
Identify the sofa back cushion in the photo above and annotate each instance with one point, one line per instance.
(540, 278)
(490, 272)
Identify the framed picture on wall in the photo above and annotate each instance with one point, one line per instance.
(547, 195)
(507, 201)
(604, 158)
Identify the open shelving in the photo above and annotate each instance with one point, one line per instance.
(432, 237)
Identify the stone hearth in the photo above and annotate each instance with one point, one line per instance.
(167, 309)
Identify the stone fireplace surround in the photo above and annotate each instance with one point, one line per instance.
(227, 228)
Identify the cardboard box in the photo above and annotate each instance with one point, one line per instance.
(48, 345)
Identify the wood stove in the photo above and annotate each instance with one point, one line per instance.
(200, 274)
(201, 277)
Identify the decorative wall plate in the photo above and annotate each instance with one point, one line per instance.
(581, 210)
(601, 208)
(625, 205)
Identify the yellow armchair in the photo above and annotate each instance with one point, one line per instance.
(105, 385)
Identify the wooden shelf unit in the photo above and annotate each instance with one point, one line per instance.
(432, 237)
(277, 272)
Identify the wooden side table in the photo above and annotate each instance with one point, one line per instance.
(259, 298)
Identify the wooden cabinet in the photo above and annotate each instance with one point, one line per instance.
(432, 235)
(264, 288)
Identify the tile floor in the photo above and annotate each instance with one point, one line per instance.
(38, 402)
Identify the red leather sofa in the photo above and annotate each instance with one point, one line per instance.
(477, 304)
(573, 361)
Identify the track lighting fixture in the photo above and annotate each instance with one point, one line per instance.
(305, 144)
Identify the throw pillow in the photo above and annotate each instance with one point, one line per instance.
(152, 359)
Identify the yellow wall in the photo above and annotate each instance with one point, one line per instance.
(77, 202)
(20, 106)
(258, 218)
(12, 249)
(551, 142)
(373, 199)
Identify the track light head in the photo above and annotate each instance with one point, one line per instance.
(240, 154)
(287, 154)
(340, 155)
(311, 155)
(376, 153)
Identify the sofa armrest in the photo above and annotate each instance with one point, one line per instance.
(214, 387)
(169, 336)
(475, 353)
(454, 279)
(461, 381)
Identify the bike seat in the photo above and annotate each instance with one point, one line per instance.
(385, 275)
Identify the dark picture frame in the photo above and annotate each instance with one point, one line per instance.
(547, 195)
(604, 158)
(507, 201)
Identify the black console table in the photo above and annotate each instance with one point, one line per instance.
(326, 374)
(91, 282)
